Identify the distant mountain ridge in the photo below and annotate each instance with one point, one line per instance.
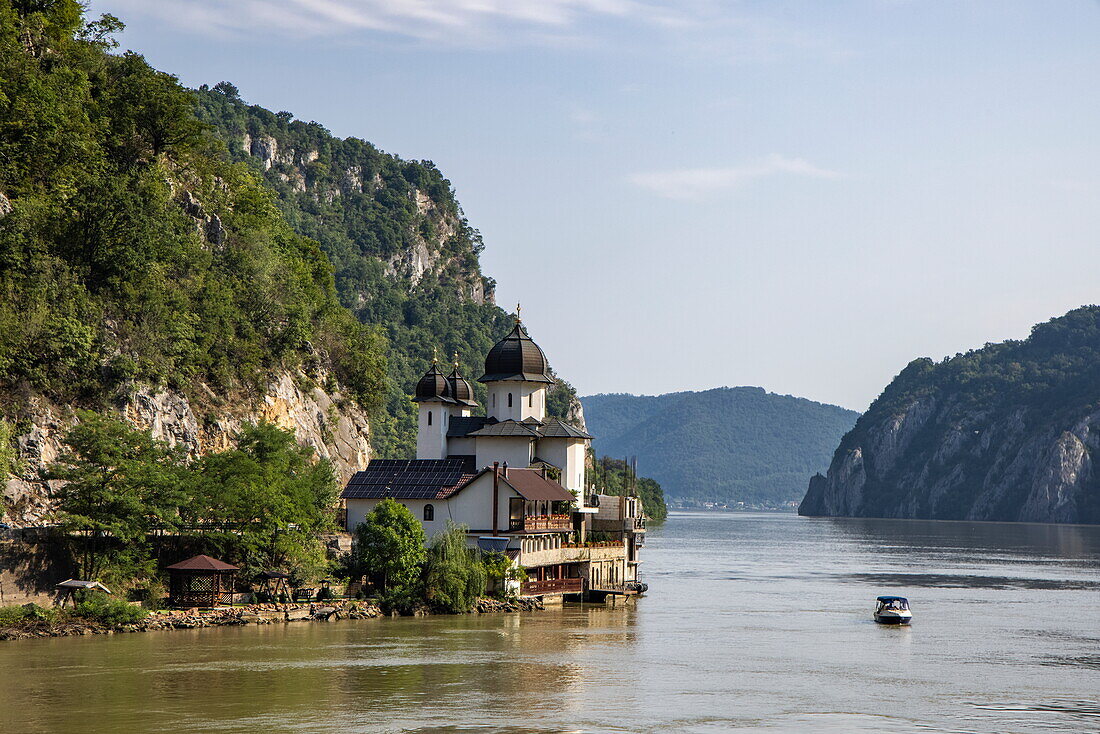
(1008, 432)
(728, 444)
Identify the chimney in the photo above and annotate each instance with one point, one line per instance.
(496, 478)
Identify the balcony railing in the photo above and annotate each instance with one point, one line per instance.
(531, 523)
(552, 586)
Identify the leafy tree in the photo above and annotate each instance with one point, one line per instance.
(454, 577)
(616, 477)
(133, 249)
(118, 486)
(389, 546)
(264, 504)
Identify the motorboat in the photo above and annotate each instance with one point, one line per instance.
(893, 610)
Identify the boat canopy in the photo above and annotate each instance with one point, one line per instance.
(893, 598)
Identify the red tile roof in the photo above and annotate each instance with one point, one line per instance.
(533, 486)
(202, 563)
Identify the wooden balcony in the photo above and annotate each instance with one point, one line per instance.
(535, 523)
(552, 586)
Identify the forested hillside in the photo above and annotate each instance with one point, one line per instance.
(1010, 431)
(724, 445)
(192, 263)
(405, 257)
(130, 248)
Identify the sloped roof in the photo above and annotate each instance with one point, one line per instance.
(531, 485)
(555, 428)
(464, 425)
(527, 428)
(408, 479)
(507, 428)
(201, 563)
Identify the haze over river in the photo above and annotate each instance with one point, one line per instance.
(754, 622)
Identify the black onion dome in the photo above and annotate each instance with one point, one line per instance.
(461, 390)
(516, 357)
(433, 387)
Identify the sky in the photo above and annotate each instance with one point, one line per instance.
(803, 196)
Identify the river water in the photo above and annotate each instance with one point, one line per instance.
(754, 622)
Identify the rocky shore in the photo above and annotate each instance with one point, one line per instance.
(232, 616)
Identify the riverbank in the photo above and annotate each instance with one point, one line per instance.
(177, 619)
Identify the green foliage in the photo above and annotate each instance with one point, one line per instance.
(389, 546)
(454, 577)
(265, 503)
(133, 248)
(9, 456)
(108, 610)
(724, 445)
(615, 477)
(118, 485)
(27, 613)
(368, 209)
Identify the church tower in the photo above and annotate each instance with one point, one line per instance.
(433, 393)
(517, 374)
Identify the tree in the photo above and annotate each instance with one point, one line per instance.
(265, 503)
(455, 576)
(389, 546)
(118, 486)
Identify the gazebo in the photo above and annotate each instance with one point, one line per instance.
(201, 581)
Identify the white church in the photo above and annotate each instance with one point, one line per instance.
(514, 477)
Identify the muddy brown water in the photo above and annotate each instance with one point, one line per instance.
(754, 622)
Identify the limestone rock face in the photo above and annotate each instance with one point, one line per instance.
(427, 254)
(934, 459)
(335, 428)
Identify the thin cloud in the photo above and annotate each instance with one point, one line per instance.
(702, 29)
(453, 21)
(700, 183)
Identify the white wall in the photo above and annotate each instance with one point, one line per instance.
(358, 509)
(568, 455)
(431, 441)
(528, 400)
(471, 507)
(516, 450)
(461, 447)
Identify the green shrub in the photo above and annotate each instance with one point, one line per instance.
(98, 607)
(12, 616)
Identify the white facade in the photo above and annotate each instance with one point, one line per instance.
(516, 451)
(431, 432)
(516, 401)
(472, 507)
(566, 454)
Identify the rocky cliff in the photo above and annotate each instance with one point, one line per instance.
(337, 429)
(1008, 432)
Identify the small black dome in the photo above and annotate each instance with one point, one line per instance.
(433, 387)
(516, 357)
(461, 390)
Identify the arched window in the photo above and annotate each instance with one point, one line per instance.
(429, 417)
(509, 400)
(429, 513)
